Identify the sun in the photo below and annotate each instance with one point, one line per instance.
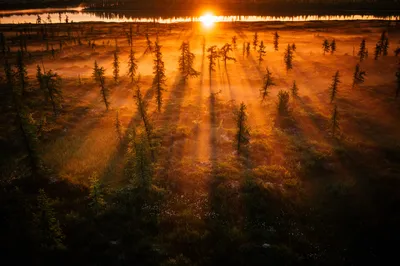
(208, 20)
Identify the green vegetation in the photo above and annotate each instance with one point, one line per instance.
(243, 131)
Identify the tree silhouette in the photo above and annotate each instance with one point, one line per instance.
(283, 103)
(116, 67)
(334, 86)
(99, 77)
(118, 127)
(358, 76)
(378, 51)
(22, 119)
(288, 58)
(243, 132)
(384, 43)
(234, 42)
(295, 90)
(149, 45)
(140, 165)
(224, 51)
(326, 46)
(51, 83)
(276, 41)
(261, 52)
(96, 195)
(142, 110)
(268, 82)
(334, 120)
(132, 65)
(248, 49)
(213, 55)
(397, 51)
(159, 75)
(255, 41)
(294, 47)
(398, 82)
(362, 53)
(186, 61)
(333, 46)
(49, 230)
(22, 74)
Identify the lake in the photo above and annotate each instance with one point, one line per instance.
(53, 15)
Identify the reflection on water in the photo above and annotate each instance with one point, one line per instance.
(76, 15)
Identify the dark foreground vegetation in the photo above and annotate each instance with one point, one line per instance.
(290, 179)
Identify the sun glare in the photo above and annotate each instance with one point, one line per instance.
(207, 20)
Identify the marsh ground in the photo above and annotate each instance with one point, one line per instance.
(315, 198)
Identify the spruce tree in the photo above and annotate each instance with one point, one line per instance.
(9, 74)
(268, 82)
(362, 53)
(294, 47)
(39, 79)
(132, 65)
(378, 51)
(141, 166)
(384, 43)
(397, 51)
(295, 90)
(333, 46)
(49, 230)
(3, 43)
(398, 82)
(358, 76)
(116, 67)
(186, 61)
(224, 51)
(255, 41)
(22, 119)
(149, 43)
(288, 58)
(142, 110)
(243, 132)
(276, 41)
(334, 86)
(159, 75)
(99, 76)
(326, 46)
(248, 49)
(234, 43)
(213, 55)
(52, 85)
(261, 52)
(22, 74)
(96, 195)
(334, 120)
(283, 103)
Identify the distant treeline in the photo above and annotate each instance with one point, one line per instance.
(242, 7)
(253, 7)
